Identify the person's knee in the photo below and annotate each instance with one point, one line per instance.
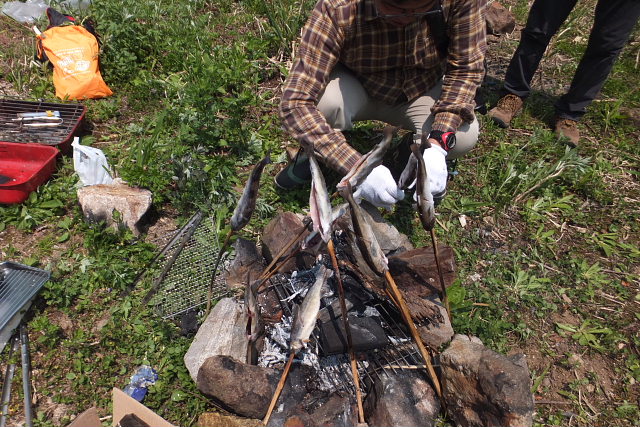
(466, 139)
(334, 112)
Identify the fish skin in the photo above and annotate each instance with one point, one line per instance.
(365, 239)
(408, 175)
(368, 162)
(313, 239)
(255, 325)
(306, 314)
(247, 204)
(319, 204)
(424, 198)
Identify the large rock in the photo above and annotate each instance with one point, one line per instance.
(241, 388)
(406, 399)
(390, 239)
(416, 273)
(222, 333)
(499, 20)
(484, 388)
(247, 263)
(99, 201)
(278, 233)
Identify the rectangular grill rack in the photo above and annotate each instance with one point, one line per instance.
(59, 136)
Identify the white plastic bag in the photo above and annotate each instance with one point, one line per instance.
(90, 164)
(25, 12)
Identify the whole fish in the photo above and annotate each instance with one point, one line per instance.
(306, 314)
(408, 175)
(319, 203)
(368, 162)
(314, 237)
(255, 325)
(424, 198)
(247, 204)
(365, 239)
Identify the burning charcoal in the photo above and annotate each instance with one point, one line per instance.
(366, 332)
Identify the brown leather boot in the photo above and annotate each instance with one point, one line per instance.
(508, 107)
(567, 129)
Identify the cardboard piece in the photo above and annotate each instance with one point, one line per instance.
(124, 404)
(88, 418)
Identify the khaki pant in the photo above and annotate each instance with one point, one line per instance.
(345, 101)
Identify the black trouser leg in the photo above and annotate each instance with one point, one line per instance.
(614, 21)
(545, 18)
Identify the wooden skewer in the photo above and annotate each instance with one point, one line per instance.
(443, 288)
(284, 249)
(215, 269)
(279, 388)
(347, 328)
(402, 305)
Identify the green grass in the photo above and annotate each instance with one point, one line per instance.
(547, 263)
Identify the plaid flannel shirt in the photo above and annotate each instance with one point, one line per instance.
(394, 64)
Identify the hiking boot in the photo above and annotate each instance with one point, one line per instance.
(567, 129)
(296, 174)
(508, 107)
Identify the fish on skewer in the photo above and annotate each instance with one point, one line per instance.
(408, 175)
(304, 321)
(424, 198)
(255, 324)
(319, 203)
(314, 237)
(367, 162)
(306, 314)
(365, 239)
(241, 216)
(247, 204)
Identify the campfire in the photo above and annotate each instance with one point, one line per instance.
(325, 336)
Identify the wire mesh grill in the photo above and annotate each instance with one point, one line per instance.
(12, 130)
(400, 354)
(185, 268)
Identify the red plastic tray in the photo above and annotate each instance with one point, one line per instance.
(27, 166)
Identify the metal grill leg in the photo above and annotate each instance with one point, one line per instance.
(26, 375)
(8, 379)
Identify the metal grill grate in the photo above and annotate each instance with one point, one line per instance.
(19, 284)
(400, 354)
(185, 267)
(15, 131)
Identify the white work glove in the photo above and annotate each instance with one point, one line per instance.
(379, 189)
(434, 161)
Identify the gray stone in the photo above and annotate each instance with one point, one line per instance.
(390, 239)
(499, 20)
(243, 389)
(247, 263)
(416, 272)
(484, 388)
(222, 333)
(406, 399)
(99, 201)
(436, 330)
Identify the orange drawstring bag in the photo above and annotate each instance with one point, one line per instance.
(73, 52)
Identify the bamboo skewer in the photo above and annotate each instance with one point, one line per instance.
(279, 388)
(402, 305)
(285, 249)
(347, 328)
(445, 298)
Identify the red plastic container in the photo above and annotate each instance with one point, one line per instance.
(26, 166)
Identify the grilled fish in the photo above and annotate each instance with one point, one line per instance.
(368, 162)
(314, 237)
(306, 314)
(365, 239)
(247, 204)
(319, 204)
(424, 198)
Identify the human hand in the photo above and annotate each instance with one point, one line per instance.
(379, 189)
(436, 166)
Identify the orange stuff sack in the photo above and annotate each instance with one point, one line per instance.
(73, 52)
